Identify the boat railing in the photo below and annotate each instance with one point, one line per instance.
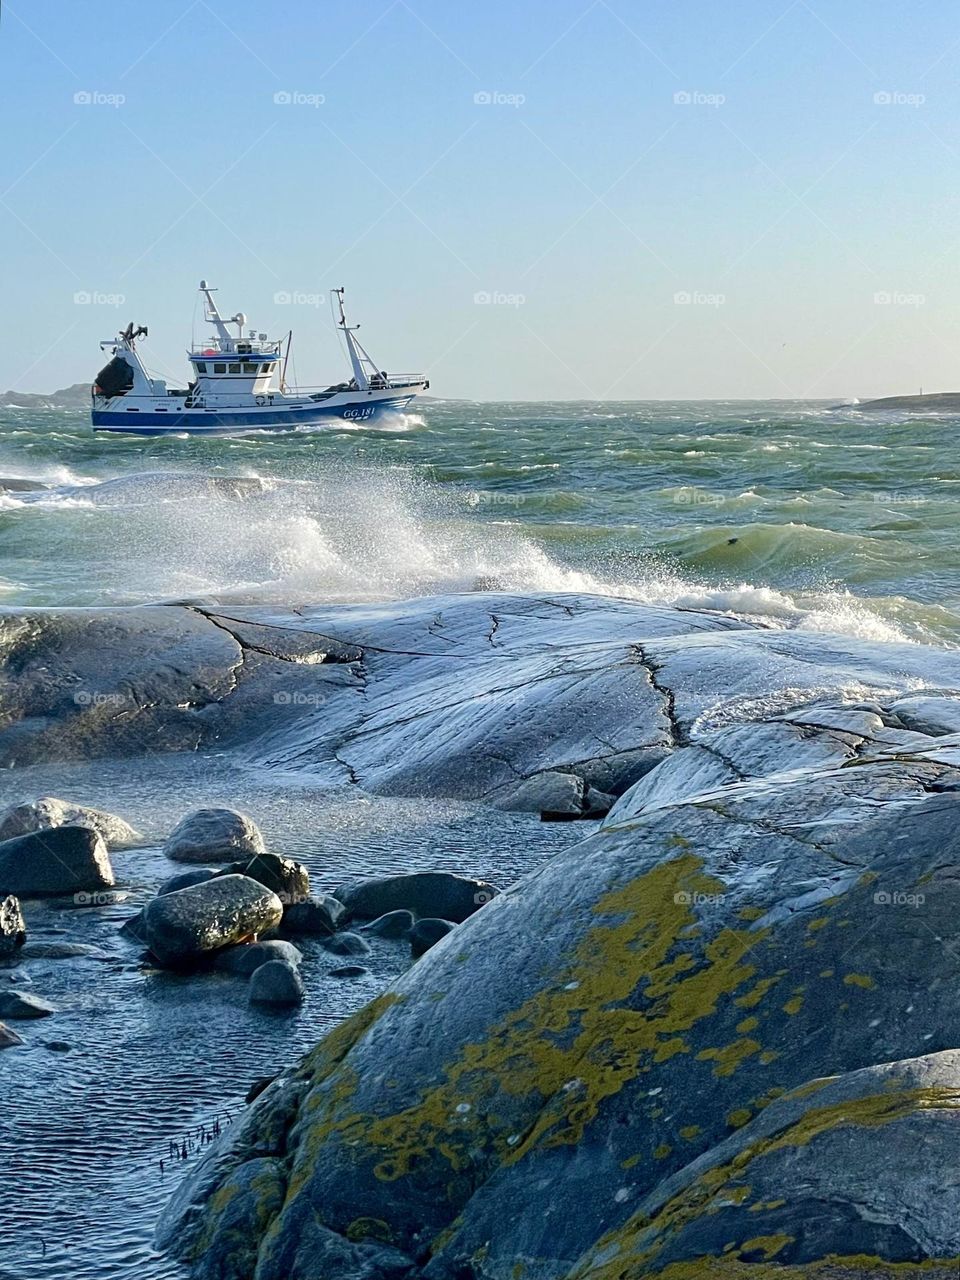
(250, 346)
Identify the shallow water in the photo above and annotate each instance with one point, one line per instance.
(157, 1058)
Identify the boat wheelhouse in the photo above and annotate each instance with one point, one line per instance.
(239, 384)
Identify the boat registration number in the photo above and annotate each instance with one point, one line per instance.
(361, 411)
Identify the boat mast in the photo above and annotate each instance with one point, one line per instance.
(353, 346)
(212, 316)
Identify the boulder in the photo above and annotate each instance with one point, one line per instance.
(395, 924)
(8, 1037)
(184, 926)
(60, 860)
(427, 932)
(13, 928)
(184, 879)
(47, 812)
(425, 893)
(346, 944)
(245, 957)
(135, 929)
(213, 835)
(288, 879)
(276, 982)
(320, 915)
(21, 1004)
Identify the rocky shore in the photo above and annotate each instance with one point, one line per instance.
(715, 1037)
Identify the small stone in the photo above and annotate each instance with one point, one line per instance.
(20, 1004)
(277, 983)
(318, 915)
(346, 944)
(348, 971)
(62, 951)
(395, 924)
(289, 880)
(13, 928)
(8, 1037)
(185, 879)
(246, 957)
(427, 933)
(425, 893)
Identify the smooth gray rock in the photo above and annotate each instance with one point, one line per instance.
(9, 1037)
(276, 982)
(214, 835)
(13, 927)
(319, 915)
(640, 999)
(248, 956)
(184, 926)
(48, 811)
(184, 879)
(425, 893)
(135, 929)
(346, 944)
(555, 792)
(21, 1004)
(427, 932)
(289, 879)
(60, 860)
(62, 951)
(395, 924)
(349, 971)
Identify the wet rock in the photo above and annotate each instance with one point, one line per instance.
(8, 1037)
(62, 951)
(346, 944)
(395, 924)
(849, 1166)
(552, 792)
(134, 929)
(248, 956)
(13, 927)
(349, 971)
(633, 1006)
(214, 835)
(276, 982)
(60, 860)
(185, 879)
(320, 915)
(427, 932)
(48, 811)
(182, 927)
(21, 1004)
(58, 1046)
(425, 893)
(289, 880)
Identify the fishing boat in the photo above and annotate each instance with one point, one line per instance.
(239, 384)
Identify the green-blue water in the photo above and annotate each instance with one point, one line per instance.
(809, 516)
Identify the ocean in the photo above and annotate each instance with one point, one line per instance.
(794, 512)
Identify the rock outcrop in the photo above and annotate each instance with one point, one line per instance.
(13, 927)
(617, 1027)
(55, 861)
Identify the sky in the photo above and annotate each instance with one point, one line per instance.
(527, 199)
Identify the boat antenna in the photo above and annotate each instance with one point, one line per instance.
(283, 371)
(360, 361)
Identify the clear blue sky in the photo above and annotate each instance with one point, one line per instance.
(783, 197)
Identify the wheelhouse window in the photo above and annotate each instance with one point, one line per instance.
(264, 368)
(234, 368)
(201, 368)
(249, 368)
(219, 368)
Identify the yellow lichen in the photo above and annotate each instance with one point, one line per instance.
(859, 980)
